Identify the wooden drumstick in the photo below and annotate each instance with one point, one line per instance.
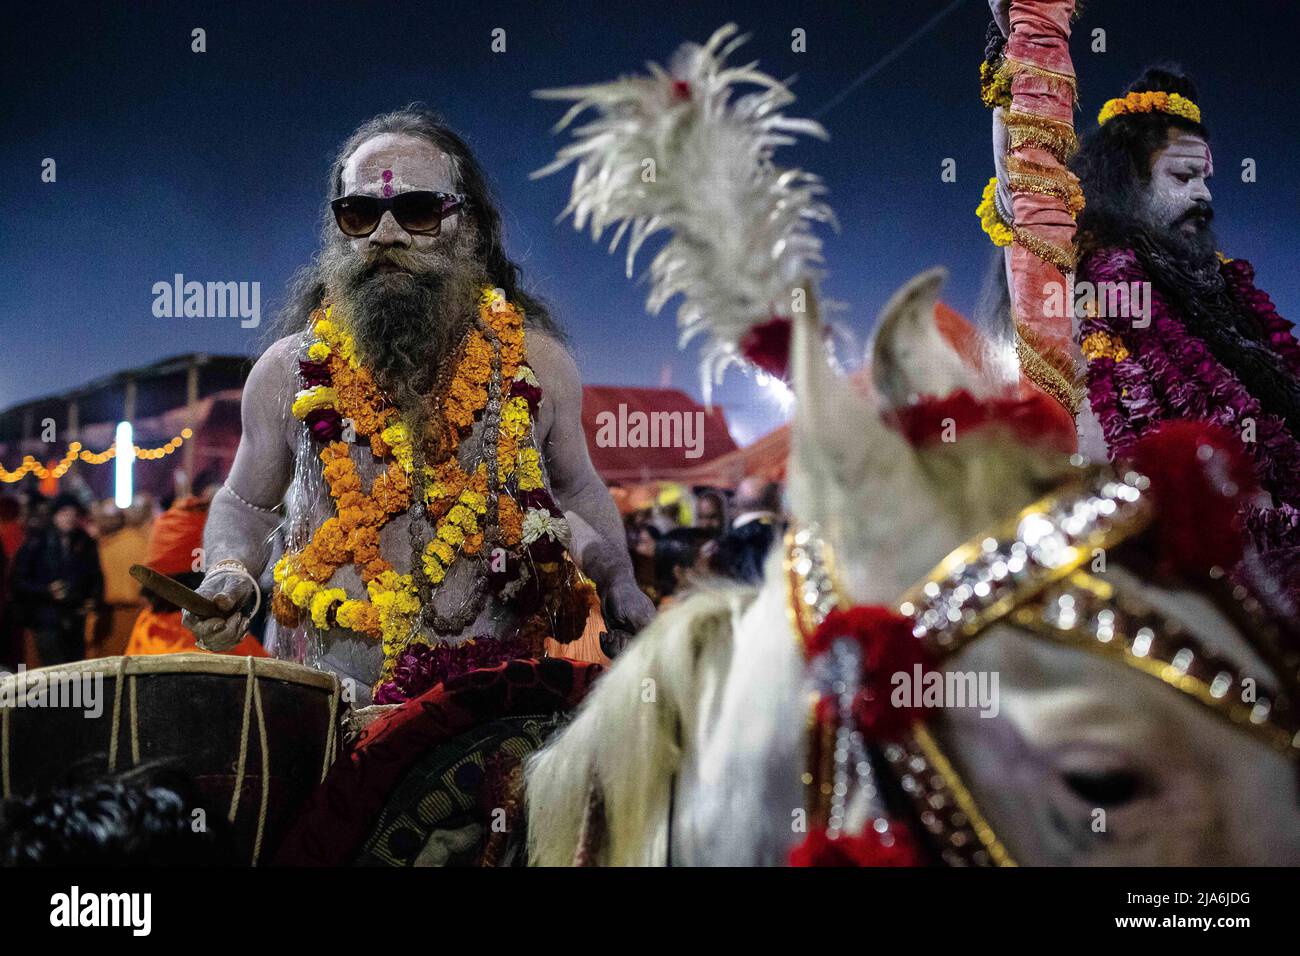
(175, 593)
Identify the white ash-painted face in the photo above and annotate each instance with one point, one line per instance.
(1179, 183)
(393, 163)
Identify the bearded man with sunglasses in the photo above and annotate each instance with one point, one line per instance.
(415, 444)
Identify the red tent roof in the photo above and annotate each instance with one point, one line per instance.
(764, 458)
(623, 425)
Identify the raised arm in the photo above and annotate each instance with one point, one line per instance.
(1001, 10)
(246, 511)
(599, 542)
(1004, 189)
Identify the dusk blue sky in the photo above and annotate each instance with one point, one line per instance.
(213, 164)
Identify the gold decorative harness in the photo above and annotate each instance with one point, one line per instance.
(1029, 571)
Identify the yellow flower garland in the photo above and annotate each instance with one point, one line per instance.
(310, 399)
(990, 221)
(1155, 101)
(1100, 345)
(459, 525)
(995, 86)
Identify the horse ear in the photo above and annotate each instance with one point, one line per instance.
(852, 474)
(838, 436)
(825, 401)
(910, 357)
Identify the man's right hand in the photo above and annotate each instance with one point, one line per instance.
(233, 594)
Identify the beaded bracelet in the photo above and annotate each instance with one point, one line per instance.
(246, 503)
(1004, 214)
(232, 566)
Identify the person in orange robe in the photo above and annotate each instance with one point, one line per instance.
(174, 543)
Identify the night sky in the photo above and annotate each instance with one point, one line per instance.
(213, 165)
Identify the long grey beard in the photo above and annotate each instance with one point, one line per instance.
(406, 325)
(1181, 270)
(1192, 258)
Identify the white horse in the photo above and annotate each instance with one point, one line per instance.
(696, 739)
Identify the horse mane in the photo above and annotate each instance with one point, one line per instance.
(626, 736)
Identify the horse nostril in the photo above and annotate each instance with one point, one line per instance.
(1104, 788)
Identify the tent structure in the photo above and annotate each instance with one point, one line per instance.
(196, 392)
(766, 457)
(650, 434)
(634, 434)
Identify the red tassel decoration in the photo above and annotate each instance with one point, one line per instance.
(1200, 477)
(892, 848)
(767, 345)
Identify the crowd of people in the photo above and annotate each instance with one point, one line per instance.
(53, 578)
(681, 537)
(67, 593)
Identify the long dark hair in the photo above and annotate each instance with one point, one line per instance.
(1114, 166)
(1114, 161)
(419, 121)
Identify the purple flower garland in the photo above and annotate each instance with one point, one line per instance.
(325, 424)
(1171, 374)
(421, 666)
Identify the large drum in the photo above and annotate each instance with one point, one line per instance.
(255, 734)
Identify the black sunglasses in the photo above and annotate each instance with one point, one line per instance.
(417, 212)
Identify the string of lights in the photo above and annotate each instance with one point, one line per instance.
(76, 452)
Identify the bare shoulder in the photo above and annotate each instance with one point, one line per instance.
(552, 363)
(272, 383)
(276, 366)
(557, 374)
(281, 355)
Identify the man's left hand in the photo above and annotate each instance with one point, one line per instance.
(627, 608)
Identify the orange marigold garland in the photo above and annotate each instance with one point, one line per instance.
(555, 600)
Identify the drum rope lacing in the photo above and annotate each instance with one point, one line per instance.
(252, 701)
(329, 736)
(116, 723)
(123, 677)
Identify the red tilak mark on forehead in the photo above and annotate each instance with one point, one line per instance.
(388, 179)
(1209, 161)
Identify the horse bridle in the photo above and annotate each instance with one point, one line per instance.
(1030, 571)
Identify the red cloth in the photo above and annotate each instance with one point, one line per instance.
(1033, 419)
(175, 536)
(12, 534)
(340, 814)
(1040, 36)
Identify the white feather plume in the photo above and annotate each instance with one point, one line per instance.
(741, 227)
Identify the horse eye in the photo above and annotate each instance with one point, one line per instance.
(1106, 788)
